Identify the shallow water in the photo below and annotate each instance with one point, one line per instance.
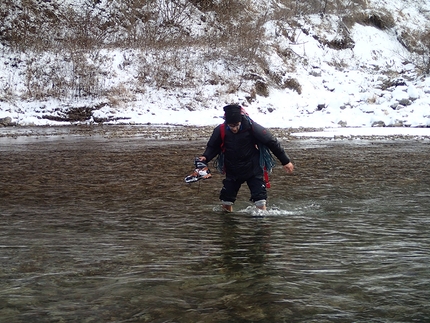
(105, 230)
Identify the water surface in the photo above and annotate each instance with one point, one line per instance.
(105, 230)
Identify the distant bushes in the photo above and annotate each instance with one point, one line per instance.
(424, 53)
(76, 34)
(336, 7)
(39, 26)
(42, 25)
(67, 75)
(419, 45)
(380, 19)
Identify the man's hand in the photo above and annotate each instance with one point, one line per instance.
(289, 168)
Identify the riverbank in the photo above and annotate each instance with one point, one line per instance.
(192, 133)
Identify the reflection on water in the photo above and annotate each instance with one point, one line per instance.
(97, 230)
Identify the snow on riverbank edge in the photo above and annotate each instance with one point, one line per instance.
(195, 133)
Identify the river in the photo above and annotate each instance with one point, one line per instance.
(99, 229)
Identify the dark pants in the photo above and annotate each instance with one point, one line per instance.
(231, 187)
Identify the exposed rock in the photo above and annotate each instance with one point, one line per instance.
(405, 102)
(293, 84)
(79, 114)
(261, 88)
(397, 123)
(315, 73)
(320, 107)
(378, 124)
(6, 122)
(394, 105)
(72, 115)
(389, 83)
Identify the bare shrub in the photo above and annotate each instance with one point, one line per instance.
(85, 76)
(232, 25)
(425, 56)
(411, 40)
(118, 95)
(242, 34)
(343, 39)
(167, 69)
(230, 9)
(418, 44)
(164, 22)
(74, 74)
(341, 43)
(380, 19)
(303, 7)
(26, 23)
(261, 88)
(293, 84)
(342, 6)
(173, 12)
(322, 6)
(153, 24)
(85, 29)
(205, 5)
(43, 25)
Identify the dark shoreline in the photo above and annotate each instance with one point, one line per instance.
(171, 132)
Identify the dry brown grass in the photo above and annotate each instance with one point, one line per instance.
(381, 19)
(237, 37)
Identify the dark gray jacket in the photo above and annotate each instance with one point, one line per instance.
(241, 156)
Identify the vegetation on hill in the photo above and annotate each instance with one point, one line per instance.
(71, 49)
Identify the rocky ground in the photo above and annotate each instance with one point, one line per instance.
(122, 131)
(171, 132)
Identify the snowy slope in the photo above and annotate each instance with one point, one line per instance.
(374, 82)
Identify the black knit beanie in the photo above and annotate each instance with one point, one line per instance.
(233, 113)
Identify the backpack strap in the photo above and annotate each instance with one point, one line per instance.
(219, 162)
(222, 132)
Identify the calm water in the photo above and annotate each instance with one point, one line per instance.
(105, 230)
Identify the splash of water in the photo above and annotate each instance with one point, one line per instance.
(271, 211)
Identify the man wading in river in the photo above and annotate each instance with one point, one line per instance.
(243, 156)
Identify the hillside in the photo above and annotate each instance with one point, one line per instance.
(314, 64)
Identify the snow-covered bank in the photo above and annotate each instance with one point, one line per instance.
(374, 82)
(401, 107)
(387, 132)
(21, 134)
